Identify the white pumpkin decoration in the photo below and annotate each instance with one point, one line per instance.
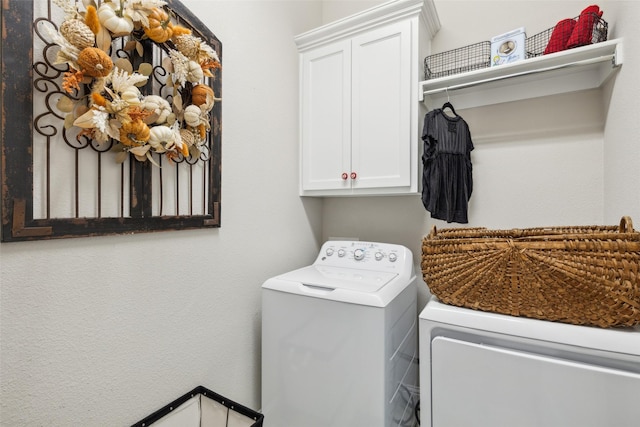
(161, 137)
(112, 18)
(159, 106)
(131, 95)
(192, 115)
(194, 72)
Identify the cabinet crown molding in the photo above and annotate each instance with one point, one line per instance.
(384, 13)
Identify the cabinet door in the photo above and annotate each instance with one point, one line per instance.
(381, 110)
(326, 117)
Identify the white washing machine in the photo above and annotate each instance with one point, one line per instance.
(483, 369)
(339, 340)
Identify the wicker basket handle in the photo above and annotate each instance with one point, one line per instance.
(433, 232)
(626, 225)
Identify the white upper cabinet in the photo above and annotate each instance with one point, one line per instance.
(359, 109)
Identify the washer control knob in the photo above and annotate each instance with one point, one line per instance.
(393, 257)
(329, 251)
(341, 253)
(358, 254)
(379, 256)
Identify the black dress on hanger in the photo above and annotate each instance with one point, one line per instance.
(447, 180)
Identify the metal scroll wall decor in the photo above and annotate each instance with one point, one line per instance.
(111, 118)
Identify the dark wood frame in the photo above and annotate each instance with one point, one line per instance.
(18, 223)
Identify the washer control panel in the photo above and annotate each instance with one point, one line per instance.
(364, 255)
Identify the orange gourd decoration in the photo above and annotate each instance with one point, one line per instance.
(199, 94)
(94, 62)
(202, 131)
(92, 20)
(184, 149)
(134, 133)
(160, 28)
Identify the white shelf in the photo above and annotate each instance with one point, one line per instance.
(582, 68)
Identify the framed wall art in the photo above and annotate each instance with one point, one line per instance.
(111, 119)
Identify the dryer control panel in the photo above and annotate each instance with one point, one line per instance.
(364, 255)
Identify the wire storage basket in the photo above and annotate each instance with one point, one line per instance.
(202, 407)
(584, 275)
(456, 61)
(554, 39)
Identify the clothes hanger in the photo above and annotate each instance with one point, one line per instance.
(449, 105)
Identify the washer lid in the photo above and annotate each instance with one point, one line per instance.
(348, 279)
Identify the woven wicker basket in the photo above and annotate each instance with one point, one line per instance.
(585, 275)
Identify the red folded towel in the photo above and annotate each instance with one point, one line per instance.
(583, 31)
(560, 36)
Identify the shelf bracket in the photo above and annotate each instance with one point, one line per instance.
(618, 56)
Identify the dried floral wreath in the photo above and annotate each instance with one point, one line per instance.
(115, 109)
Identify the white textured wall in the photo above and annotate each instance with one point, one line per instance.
(566, 159)
(103, 331)
(622, 140)
(333, 10)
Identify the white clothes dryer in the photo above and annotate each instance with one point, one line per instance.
(484, 369)
(339, 339)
